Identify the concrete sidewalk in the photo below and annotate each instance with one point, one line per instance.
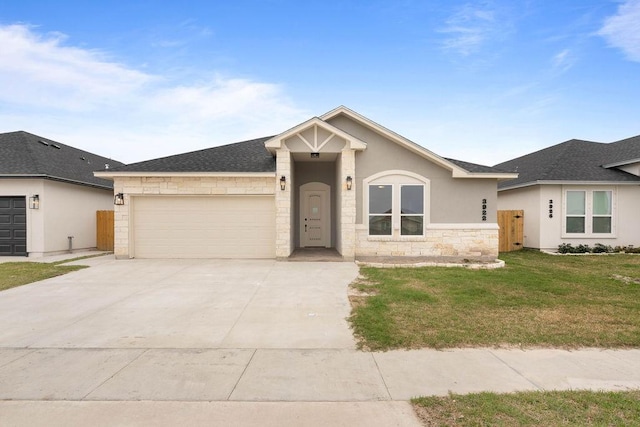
(333, 375)
(303, 387)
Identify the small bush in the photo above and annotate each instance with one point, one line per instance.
(565, 248)
(598, 248)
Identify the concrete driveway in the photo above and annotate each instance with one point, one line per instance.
(183, 304)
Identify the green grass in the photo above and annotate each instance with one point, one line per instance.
(536, 300)
(14, 274)
(553, 408)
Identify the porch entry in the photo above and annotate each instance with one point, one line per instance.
(315, 215)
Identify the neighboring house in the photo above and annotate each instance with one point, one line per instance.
(577, 192)
(48, 193)
(336, 181)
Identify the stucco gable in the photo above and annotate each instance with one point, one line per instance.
(455, 167)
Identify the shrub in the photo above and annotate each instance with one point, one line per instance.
(599, 248)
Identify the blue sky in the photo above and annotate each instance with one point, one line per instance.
(481, 81)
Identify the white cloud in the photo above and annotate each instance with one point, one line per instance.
(622, 30)
(469, 28)
(563, 61)
(85, 99)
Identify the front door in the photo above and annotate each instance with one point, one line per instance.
(13, 226)
(315, 217)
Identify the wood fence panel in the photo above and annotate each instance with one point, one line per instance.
(511, 235)
(104, 233)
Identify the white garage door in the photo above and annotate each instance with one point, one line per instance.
(204, 227)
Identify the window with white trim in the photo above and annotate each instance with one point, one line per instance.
(411, 210)
(380, 210)
(589, 212)
(396, 204)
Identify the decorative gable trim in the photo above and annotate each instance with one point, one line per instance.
(276, 142)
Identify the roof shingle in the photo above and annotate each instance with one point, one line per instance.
(246, 156)
(26, 155)
(574, 160)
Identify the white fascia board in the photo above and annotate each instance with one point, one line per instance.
(276, 142)
(56, 178)
(622, 163)
(581, 183)
(492, 175)
(457, 171)
(111, 175)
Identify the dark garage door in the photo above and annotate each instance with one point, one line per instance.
(13, 226)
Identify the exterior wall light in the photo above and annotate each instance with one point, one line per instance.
(34, 202)
(349, 182)
(118, 199)
(283, 182)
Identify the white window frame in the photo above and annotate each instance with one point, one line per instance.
(396, 179)
(393, 208)
(589, 215)
(410, 215)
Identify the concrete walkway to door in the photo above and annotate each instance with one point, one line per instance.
(148, 342)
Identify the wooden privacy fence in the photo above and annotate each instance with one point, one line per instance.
(511, 235)
(104, 233)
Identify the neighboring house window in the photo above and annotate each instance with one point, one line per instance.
(576, 211)
(589, 212)
(602, 212)
(396, 204)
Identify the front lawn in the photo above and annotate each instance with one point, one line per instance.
(532, 408)
(536, 300)
(14, 274)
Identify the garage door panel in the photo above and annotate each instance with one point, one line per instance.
(204, 227)
(13, 226)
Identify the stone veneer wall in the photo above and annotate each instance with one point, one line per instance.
(139, 186)
(455, 241)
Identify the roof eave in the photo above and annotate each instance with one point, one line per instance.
(566, 182)
(621, 163)
(139, 174)
(56, 178)
(487, 175)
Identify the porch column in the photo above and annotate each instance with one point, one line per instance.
(348, 204)
(283, 203)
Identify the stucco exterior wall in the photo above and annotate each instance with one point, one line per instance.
(453, 200)
(545, 233)
(71, 211)
(527, 199)
(137, 186)
(65, 210)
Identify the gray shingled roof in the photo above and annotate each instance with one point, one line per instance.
(475, 168)
(246, 156)
(23, 154)
(574, 160)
